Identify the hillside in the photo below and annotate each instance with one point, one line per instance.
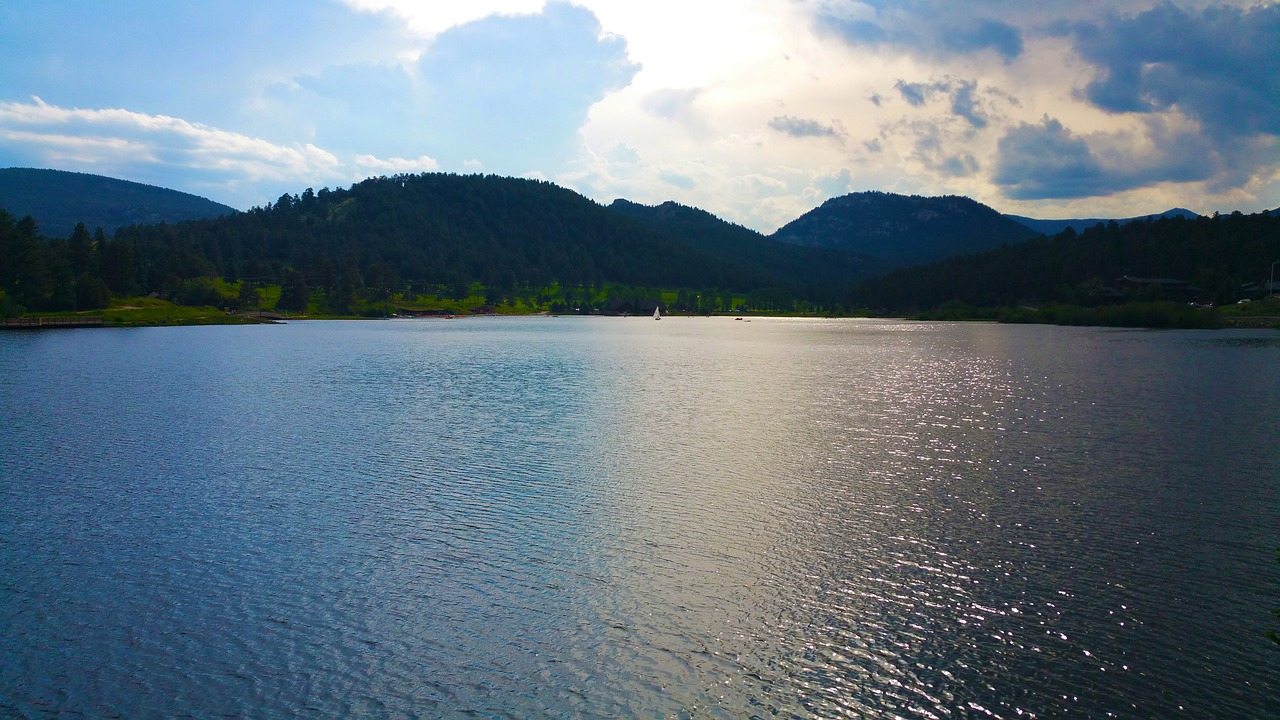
(436, 228)
(442, 230)
(898, 230)
(746, 249)
(57, 200)
(1206, 259)
(1053, 227)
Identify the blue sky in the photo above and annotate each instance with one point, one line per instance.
(755, 110)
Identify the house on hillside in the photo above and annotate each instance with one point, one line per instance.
(1257, 290)
(1134, 288)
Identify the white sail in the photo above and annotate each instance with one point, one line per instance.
(656, 315)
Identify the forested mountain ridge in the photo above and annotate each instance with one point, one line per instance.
(1218, 260)
(57, 200)
(412, 234)
(900, 230)
(439, 228)
(407, 238)
(746, 248)
(1079, 225)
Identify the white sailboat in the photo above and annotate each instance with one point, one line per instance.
(656, 315)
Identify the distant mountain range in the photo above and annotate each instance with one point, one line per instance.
(444, 233)
(899, 230)
(1053, 227)
(738, 245)
(57, 200)
(502, 232)
(844, 239)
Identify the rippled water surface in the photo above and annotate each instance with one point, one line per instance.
(564, 517)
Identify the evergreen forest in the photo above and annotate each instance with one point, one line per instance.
(389, 242)
(415, 244)
(1180, 262)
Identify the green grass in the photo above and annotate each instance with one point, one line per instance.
(152, 312)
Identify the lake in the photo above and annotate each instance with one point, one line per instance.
(609, 517)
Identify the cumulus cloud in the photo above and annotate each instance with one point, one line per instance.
(435, 17)
(917, 94)
(370, 165)
(986, 34)
(195, 60)
(1219, 66)
(1048, 161)
(678, 105)
(116, 138)
(510, 91)
(921, 28)
(963, 104)
(623, 154)
(684, 182)
(833, 185)
(171, 152)
(932, 149)
(805, 128)
(1054, 103)
(366, 108)
(514, 90)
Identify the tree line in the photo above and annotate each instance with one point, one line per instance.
(406, 235)
(1207, 260)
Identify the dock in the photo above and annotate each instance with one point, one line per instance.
(36, 323)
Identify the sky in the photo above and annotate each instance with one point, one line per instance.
(754, 110)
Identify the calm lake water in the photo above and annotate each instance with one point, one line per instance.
(570, 517)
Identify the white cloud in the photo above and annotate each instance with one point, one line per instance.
(755, 110)
(370, 165)
(114, 135)
(432, 18)
(226, 166)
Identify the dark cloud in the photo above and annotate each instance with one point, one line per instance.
(963, 104)
(1004, 39)
(922, 29)
(931, 150)
(1220, 66)
(960, 92)
(1043, 161)
(1048, 161)
(916, 94)
(803, 128)
(858, 32)
(961, 165)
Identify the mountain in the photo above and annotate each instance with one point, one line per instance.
(1053, 227)
(57, 200)
(898, 230)
(747, 249)
(445, 229)
(1205, 259)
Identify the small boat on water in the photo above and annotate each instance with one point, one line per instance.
(656, 315)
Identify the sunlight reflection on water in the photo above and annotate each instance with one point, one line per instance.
(602, 517)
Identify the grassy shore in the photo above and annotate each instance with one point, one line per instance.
(1156, 315)
(155, 312)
